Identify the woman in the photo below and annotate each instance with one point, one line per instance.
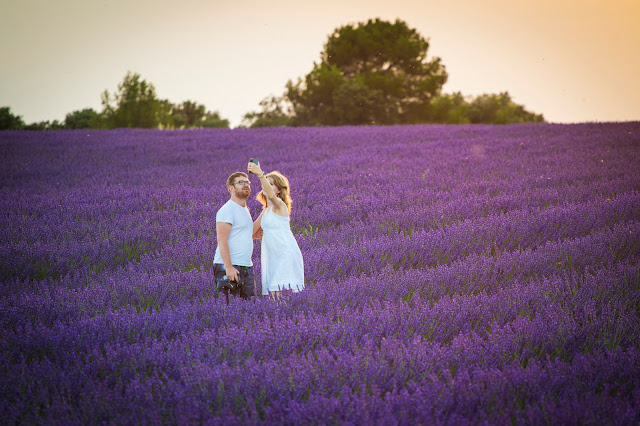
(281, 259)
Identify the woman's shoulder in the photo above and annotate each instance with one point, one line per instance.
(283, 209)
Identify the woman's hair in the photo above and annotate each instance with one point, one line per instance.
(282, 183)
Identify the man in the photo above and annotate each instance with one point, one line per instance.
(234, 228)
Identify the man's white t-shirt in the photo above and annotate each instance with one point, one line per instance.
(241, 235)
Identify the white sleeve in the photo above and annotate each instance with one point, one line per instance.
(224, 215)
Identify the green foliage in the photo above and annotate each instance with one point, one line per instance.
(312, 100)
(213, 119)
(188, 114)
(275, 111)
(135, 104)
(356, 103)
(449, 109)
(82, 119)
(9, 121)
(45, 125)
(500, 109)
(488, 109)
(165, 114)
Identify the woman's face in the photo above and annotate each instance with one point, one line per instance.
(276, 190)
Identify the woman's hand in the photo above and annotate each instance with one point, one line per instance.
(254, 168)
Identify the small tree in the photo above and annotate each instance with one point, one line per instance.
(449, 109)
(213, 119)
(9, 121)
(135, 104)
(275, 112)
(188, 114)
(81, 119)
(499, 109)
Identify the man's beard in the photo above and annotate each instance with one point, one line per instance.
(242, 195)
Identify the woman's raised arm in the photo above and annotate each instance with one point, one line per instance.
(267, 190)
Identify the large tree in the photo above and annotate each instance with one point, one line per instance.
(373, 72)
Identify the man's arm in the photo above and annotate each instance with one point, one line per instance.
(223, 229)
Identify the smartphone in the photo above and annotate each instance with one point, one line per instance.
(254, 160)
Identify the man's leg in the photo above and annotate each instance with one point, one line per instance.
(249, 281)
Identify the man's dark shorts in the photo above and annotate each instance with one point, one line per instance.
(246, 275)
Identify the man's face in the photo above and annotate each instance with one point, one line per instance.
(241, 187)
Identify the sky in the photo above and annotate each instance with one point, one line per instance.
(570, 60)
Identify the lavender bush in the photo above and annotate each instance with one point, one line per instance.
(455, 274)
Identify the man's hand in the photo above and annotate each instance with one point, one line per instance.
(232, 274)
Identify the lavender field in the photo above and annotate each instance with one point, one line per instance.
(455, 274)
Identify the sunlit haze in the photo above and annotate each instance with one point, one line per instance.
(572, 61)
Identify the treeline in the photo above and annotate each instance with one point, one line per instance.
(134, 104)
(376, 72)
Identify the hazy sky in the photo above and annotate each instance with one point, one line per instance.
(571, 60)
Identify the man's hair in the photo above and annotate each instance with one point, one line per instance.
(233, 177)
(282, 183)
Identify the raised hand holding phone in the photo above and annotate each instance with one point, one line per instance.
(254, 167)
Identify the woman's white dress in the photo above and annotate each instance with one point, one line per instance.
(281, 259)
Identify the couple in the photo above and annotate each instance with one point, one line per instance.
(281, 259)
